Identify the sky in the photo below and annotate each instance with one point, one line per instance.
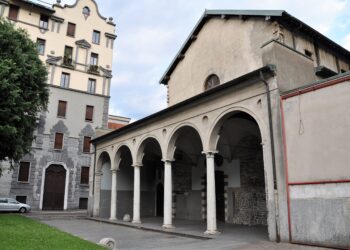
(150, 33)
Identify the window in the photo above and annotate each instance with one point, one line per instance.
(62, 107)
(68, 55)
(89, 113)
(84, 176)
(58, 141)
(96, 37)
(91, 85)
(308, 53)
(86, 11)
(13, 12)
(211, 82)
(23, 172)
(83, 202)
(41, 46)
(94, 59)
(71, 29)
(65, 77)
(86, 146)
(21, 199)
(44, 21)
(3, 201)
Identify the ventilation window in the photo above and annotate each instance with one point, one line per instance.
(308, 53)
(212, 81)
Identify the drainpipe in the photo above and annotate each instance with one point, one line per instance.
(269, 109)
(93, 182)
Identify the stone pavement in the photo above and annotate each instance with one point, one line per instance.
(132, 238)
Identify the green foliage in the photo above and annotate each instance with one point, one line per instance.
(23, 91)
(19, 232)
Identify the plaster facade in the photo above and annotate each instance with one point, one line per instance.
(51, 28)
(221, 154)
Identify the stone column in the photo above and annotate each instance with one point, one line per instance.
(97, 191)
(114, 195)
(136, 208)
(168, 195)
(211, 197)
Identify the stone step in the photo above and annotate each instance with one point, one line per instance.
(57, 215)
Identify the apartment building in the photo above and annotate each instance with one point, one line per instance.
(76, 44)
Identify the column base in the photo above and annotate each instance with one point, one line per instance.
(211, 232)
(168, 226)
(111, 218)
(136, 221)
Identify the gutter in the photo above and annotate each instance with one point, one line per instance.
(269, 109)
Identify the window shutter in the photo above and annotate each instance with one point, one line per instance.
(71, 29)
(86, 146)
(13, 12)
(62, 106)
(23, 173)
(58, 141)
(84, 179)
(89, 113)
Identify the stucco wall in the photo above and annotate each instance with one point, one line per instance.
(75, 112)
(226, 47)
(317, 134)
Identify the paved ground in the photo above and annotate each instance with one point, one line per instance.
(132, 238)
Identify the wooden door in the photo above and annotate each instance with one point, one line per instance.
(54, 187)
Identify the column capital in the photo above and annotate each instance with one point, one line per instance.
(168, 160)
(210, 153)
(114, 170)
(136, 165)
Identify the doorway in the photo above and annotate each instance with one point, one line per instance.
(54, 188)
(160, 200)
(220, 195)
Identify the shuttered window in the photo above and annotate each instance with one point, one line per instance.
(71, 29)
(84, 177)
(86, 146)
(13, 12)
(58, 141)
(62, 107)
(23, 173)
(89, 113)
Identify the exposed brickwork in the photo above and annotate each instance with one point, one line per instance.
(250, 200)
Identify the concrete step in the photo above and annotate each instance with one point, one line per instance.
(57, 215)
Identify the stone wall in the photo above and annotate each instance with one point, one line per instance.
(249, 201)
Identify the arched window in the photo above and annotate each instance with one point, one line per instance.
(86, 11)
(211, 81)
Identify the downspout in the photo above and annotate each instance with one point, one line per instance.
(93, 182)
(269, 109)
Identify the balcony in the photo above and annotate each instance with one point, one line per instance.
(93, 69)
(67, 62)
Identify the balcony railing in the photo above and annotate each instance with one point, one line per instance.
(93, 69)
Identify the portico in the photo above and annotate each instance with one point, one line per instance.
(194, 150)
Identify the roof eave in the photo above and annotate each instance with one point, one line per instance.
(268, 69)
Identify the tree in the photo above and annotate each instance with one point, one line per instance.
(23, 91)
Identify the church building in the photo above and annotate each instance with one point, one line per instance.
(256, 133)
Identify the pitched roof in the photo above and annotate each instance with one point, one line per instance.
(279, 15)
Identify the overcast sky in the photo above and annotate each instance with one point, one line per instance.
(150, 32)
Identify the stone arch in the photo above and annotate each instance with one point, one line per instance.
(212, 143)
(141, 146)
(170, 145)
(117, 154)
(101, 156)
(213, 133)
